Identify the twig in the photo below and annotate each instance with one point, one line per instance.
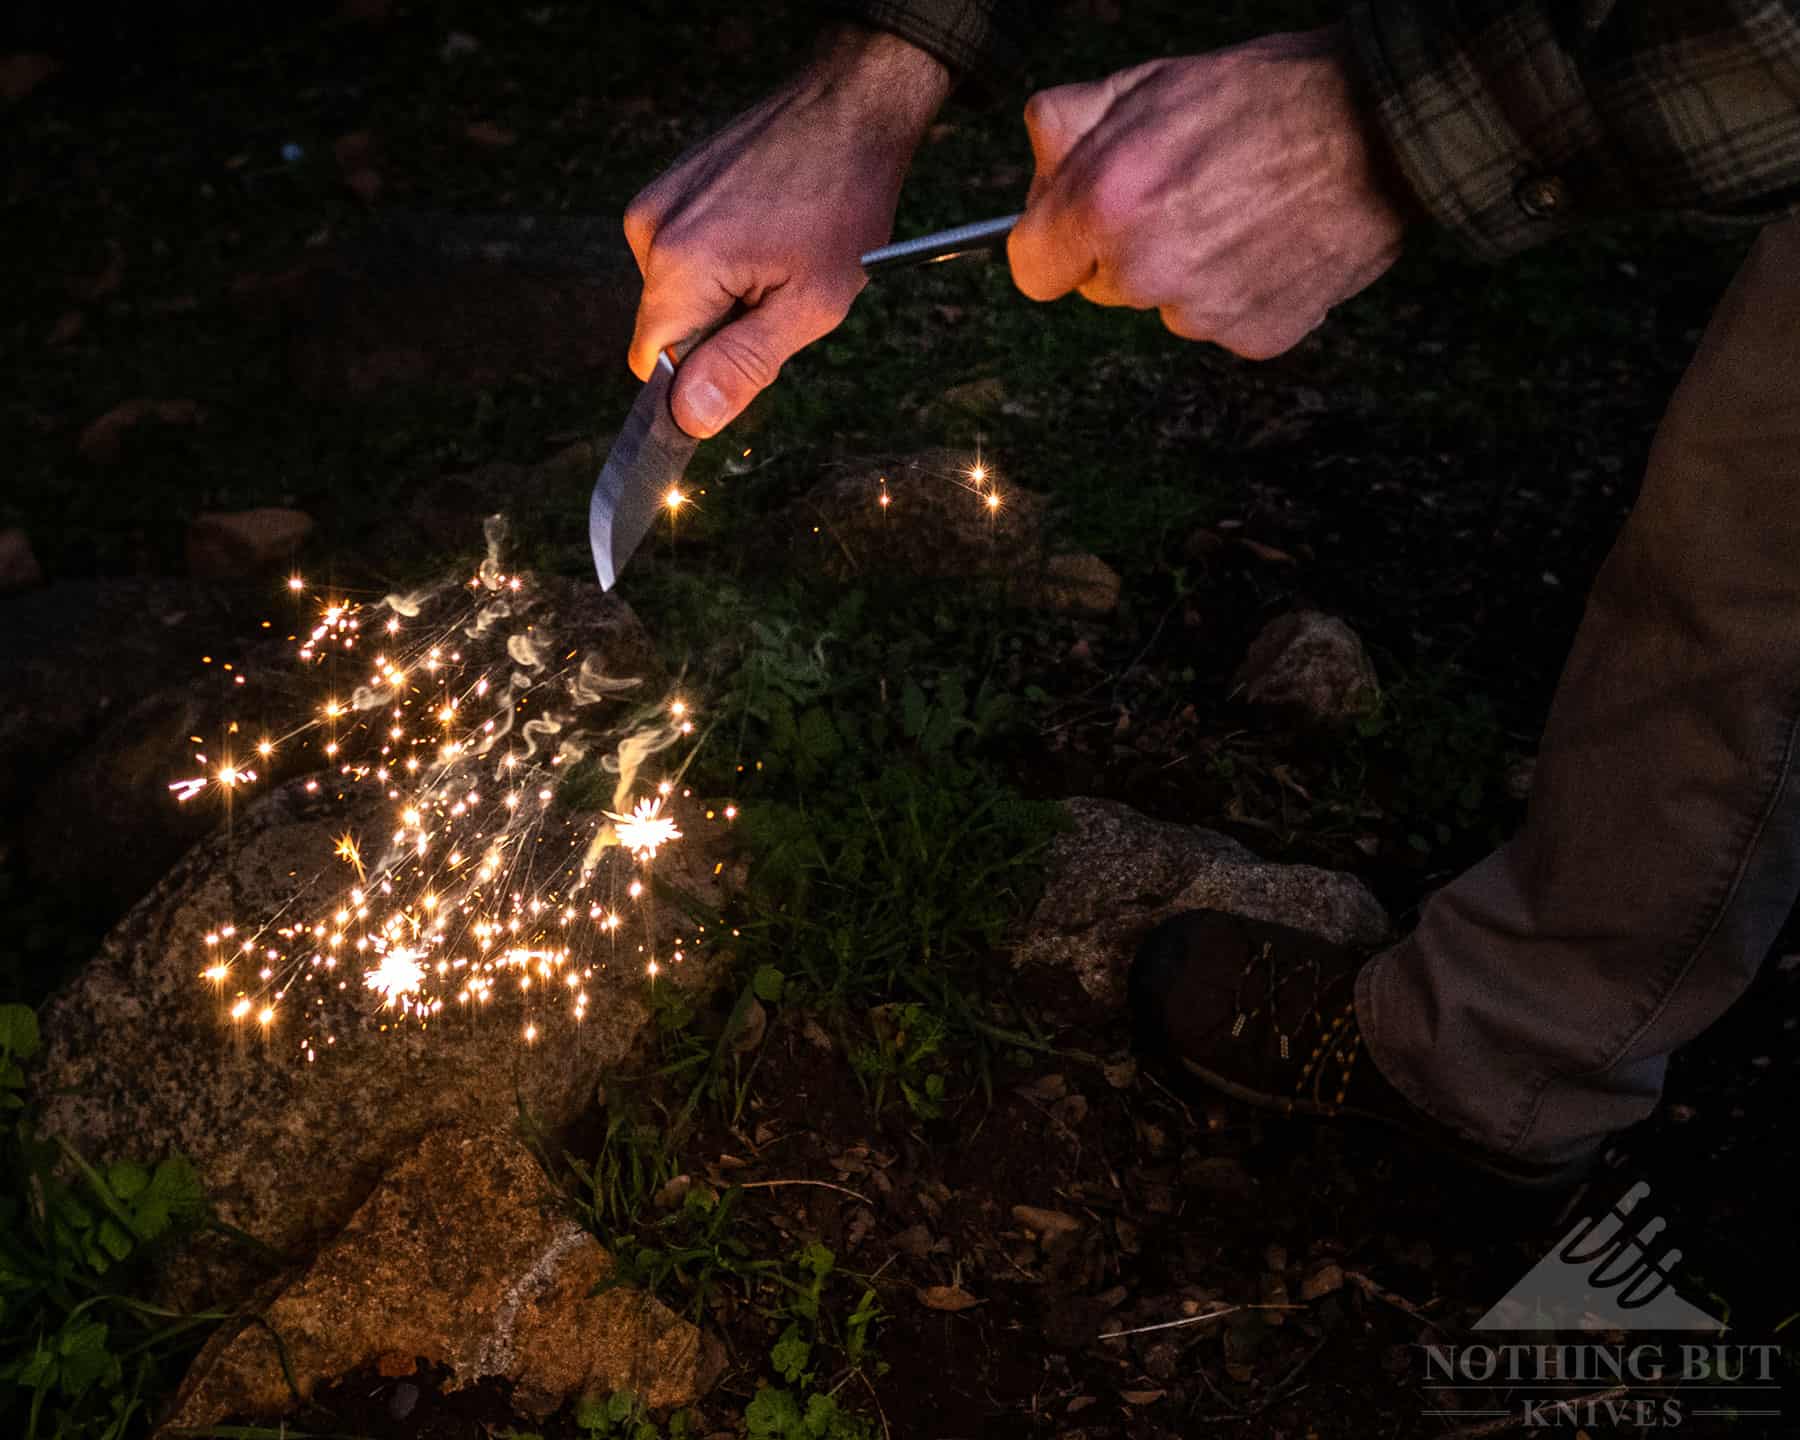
(1387, 1297)
(826, 521)
(1483, 1428)
(1192, 1122)
(822, 1184)
(887, 1434)
(1185, 1320)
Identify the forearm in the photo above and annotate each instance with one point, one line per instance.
(1512, 122)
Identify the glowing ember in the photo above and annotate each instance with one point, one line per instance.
(644, 830)
(397, 977)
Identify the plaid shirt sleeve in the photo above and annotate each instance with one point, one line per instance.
(1514, 120)
(980, 40)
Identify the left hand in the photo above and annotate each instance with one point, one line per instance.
(1238, 193)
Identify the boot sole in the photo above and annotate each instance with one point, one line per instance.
(1523, 1177)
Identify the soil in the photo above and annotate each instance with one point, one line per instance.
(1182, 1204)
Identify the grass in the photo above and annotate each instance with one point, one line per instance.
(83, 1354)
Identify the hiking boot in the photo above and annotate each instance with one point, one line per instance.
(1267, 1015)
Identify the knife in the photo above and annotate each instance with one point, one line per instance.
(647, 461)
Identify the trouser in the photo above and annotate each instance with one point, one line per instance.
(1535, 1006)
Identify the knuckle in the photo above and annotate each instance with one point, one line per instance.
(750, 358)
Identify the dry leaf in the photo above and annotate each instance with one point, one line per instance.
(1268, 552)
(947, 1297)
(67, 327)
(1141, 1397)
(490, 136)
(1046, 1224)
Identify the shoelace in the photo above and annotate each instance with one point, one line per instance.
(1340, 1037)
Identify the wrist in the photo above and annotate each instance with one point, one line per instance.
(880, 75)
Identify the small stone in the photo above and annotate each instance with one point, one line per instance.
(19, 568)
(1080, 584)
(1310, 666)
(1519, 777)
(241, 544)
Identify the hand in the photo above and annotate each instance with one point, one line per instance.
(775, 211)
(1238, 193)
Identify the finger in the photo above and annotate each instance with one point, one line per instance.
(677, 301)
(642, 217)
(1056, 119)
(729, 370)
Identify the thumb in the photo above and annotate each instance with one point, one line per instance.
(728, 370)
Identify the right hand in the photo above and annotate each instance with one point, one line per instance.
(775, 211)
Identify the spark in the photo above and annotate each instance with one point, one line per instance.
(347, 852)
(296, 584)
(646, 829)
(674, 499)
(186, 790)
(993, 500)
(978, 473)
(398, 976)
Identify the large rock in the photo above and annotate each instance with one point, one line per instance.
(1116, 873)
(457, 1260)
(938, 523)
(242, 544)
(1311, 668)
(291, 1121)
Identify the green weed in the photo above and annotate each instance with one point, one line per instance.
(82, 1357)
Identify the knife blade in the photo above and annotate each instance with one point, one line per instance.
(644, 468)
